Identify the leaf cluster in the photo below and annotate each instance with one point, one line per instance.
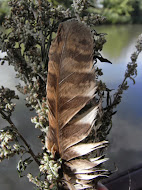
(122, 11)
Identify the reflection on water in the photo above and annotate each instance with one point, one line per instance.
(125, 137)
(119, 38)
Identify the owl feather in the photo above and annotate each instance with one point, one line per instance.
(71, 86)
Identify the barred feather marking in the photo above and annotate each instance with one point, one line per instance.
(70, 86)
(71, 79)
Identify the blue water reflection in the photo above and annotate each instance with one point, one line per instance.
(125, 137)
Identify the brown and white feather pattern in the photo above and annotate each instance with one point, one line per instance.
(70, 86)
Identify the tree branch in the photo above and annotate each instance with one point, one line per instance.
(7, 118)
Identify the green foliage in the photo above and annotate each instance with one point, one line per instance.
(4, 9)
(117, 11)
(122, 11)
(136, 14)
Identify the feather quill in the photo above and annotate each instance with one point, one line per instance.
(70, 86)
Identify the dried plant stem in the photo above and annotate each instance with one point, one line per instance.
(75, 11)
(7, 118)
(120, 89)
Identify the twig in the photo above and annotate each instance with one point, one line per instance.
(130, 181)
(76, 13)
(7, 118)
(42, 37)
(120, 89)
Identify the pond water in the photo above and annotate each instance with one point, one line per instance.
(125, 150)
(125, 137)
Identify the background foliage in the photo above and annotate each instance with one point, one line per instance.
(122, 11)
(4, 9)
(116, 11)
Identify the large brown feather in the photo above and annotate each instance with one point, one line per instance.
(70, 86)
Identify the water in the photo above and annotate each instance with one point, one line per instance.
(125, 148)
